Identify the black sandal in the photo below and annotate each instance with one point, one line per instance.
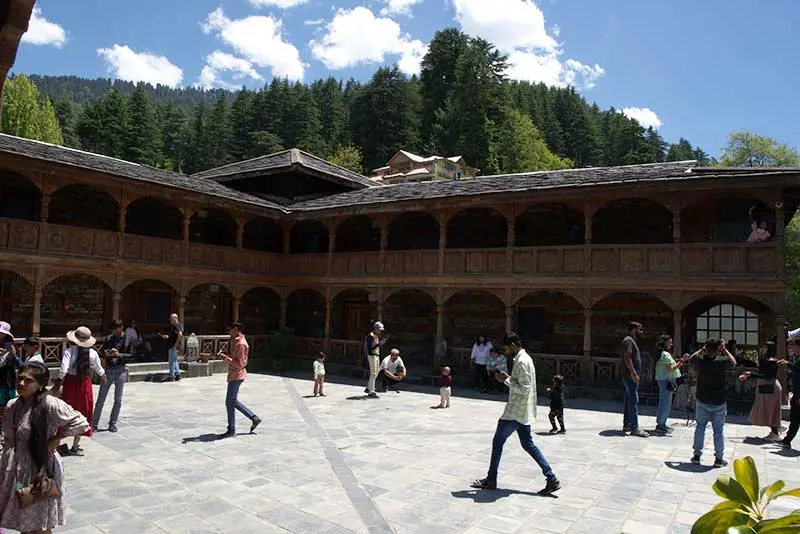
(484, 483)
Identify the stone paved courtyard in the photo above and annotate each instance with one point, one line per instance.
(340, 464)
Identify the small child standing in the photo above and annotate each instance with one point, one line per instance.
(445, 383)
(556, 392)
(319, 375)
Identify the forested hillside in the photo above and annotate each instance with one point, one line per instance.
(461, 104)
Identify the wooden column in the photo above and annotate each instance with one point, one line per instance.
(587, 366)
(44, 208)
(510, 238)
(326, 342)
(331, 248)
(181, 309)
(676, 239)
(116, 299)
(587, 243)
(121, 227)
(384, 244)
(442, 240)
(236, 303)
(780, 243)
(509, 319)
(186, 221)
(677, 334)
(37, 302)
(239, 234)
(282, 320)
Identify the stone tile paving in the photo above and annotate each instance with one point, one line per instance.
(341, 465)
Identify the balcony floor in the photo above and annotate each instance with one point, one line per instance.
(340, 464)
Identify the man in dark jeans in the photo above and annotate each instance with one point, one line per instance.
(794, 413)
(631, 367)
(114, 350)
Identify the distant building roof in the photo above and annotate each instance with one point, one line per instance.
(96, 162)
(284, 161)
(420, 159)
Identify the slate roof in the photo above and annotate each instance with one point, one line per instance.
(506, 183)
(284, 161)
(117, 167)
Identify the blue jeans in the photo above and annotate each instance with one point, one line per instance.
(174, 368)
(716, 414)
(630, 406)
(664, 401)
(116, 376)
(504, 429)
(232, 404)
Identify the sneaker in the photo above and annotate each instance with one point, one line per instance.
(772, 436)
(226, 435)
(719, 462)
(373, 395)
(553, 430)
(552, 486)
(322, 395)
(484, 483)
(626, 428)
(112, 427)
(562, 431)
(254, 424)
(695, 460)
(639, 433)
(178, 378)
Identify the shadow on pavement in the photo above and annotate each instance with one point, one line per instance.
(788, 453)
(612, 433)
(688, 467)
(486, 496)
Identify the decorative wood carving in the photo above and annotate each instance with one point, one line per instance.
(631, 260)
(604, 260)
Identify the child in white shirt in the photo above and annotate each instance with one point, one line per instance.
(319, 375)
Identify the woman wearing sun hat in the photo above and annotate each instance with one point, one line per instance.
(76, 370)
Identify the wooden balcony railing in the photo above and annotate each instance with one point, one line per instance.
(760, 260)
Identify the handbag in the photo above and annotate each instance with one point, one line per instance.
(44, 485)
(766, 389)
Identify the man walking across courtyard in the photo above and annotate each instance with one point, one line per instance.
(114, 351)
(373, 344)
(237, 372)
(174, 337)
(519, 415)
(631, 369)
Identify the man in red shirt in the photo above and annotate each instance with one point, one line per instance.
(237, 372)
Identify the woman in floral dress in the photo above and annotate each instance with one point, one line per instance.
(34, 424)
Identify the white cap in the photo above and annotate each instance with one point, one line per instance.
(378, 325)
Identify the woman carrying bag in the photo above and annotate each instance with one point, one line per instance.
(31, 476)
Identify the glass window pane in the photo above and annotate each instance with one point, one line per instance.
(702, 336)
(738, 324)
(727, 323)
(740, 338)
(726, 335)
(727, 310)
(752, 339)
(752, 325)
(713, 323)
(702, 323)
(739, 311)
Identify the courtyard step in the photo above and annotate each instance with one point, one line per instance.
(148, 367)
(147, 376)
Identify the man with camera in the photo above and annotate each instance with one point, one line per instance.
(115, 350)
(711, 363)
(375, 339)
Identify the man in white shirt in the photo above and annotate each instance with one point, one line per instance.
(393, 371)
(519, 415)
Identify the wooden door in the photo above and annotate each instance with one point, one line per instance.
(358, 316)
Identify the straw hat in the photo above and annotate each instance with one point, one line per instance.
(82, 337)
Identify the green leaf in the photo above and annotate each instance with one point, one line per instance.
(731, 505)
(729, 488)
(791, 493)
(719, 521)
(775, 526)
(741, 529)
(747, 475)
(770, 491)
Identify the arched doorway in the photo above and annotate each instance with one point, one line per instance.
(745, 320)
(410, 319)
(73, 300)
(154, 217)
(415, 230)
(263, 234)
(305, 313)
(208, 310)
(546, 225)
(353, 314)
(477, 228)
(550, 322)
(308, 237)
(213, 227)
(149, 303)
(724, 219)
(260, 310)
(611, 224)
(16, 302)
(19, 198)
(359, 233)
(468, 314)
(85, 206)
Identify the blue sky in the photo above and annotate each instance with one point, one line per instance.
(698, 69)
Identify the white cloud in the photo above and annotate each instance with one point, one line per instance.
(517, 27)
(218, 62)
(644, 116)
(357, 36)
(399, 7)
(283, 4)
(313, 22)
(127, 64)
(43, 32)
(260, 40)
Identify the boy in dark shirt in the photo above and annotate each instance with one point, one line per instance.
(710, 363)
(556, 392)
(445, 383)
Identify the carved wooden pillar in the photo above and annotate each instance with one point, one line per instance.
(37, 311)
(439, 323)
(181, 308)
(326, 342)
(510, 238)
(282, 320)
(677, 334)
(509, 319)
(587, 243)
(780, 243)
(186, 221)
(384, 244)
(676, 239)
(237, 302)
(116, 299)
(239, 234)
(331, 247)
(44, 208)
(380, 304)
(121, 228)
(442, 240)
(587, 366)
